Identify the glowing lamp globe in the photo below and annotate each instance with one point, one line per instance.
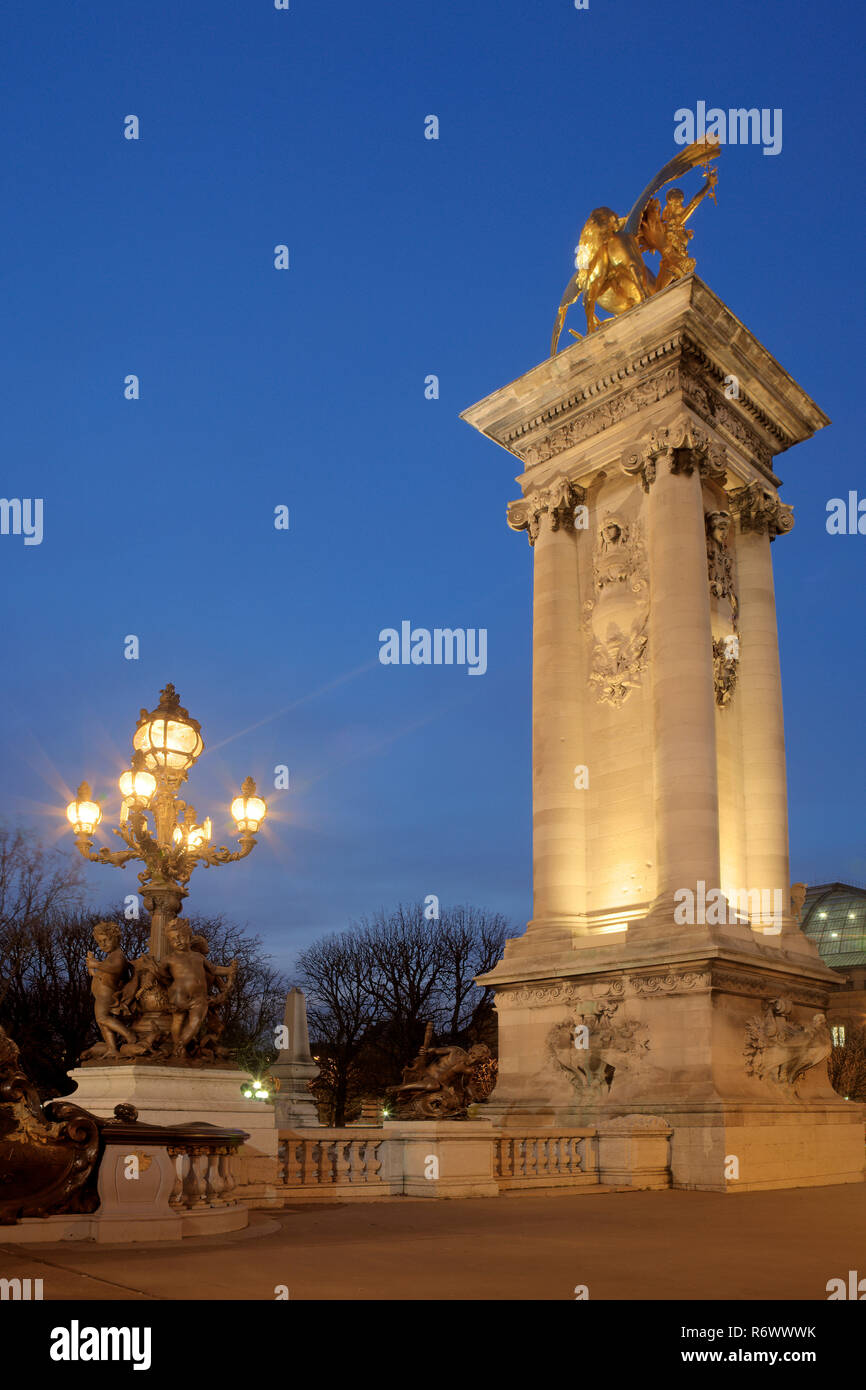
(167, 738)
(137, 785)
(199, 835)
(83, 814)
(248, 809)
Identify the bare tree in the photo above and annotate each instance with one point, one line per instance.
(35, 879)
(846, 1065)
(341, 1011)
(372, 990)
(45, 996)
(471, 941)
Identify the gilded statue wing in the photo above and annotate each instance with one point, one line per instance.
(697, 153)
(590, 243)
(572, 294)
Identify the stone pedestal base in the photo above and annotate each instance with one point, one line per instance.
(439, 1158)
(705, 1040)
(173, 1095)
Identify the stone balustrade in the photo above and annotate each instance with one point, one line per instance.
(472, 1158)
(330, 1158)
(545, 1158)
(204, 1176)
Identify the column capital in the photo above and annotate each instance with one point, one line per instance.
(558, 501)
(687, 446)
(759, 509)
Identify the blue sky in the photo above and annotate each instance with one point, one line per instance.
(306, 388)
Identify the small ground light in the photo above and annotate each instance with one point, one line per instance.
(255, 1091)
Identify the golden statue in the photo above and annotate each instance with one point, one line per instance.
(611, 271)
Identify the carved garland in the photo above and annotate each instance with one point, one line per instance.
(571, 994)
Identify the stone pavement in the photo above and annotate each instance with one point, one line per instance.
(643, 1245)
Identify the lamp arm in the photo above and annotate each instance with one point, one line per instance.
(117, 858)
(127, 838)
(211, 857)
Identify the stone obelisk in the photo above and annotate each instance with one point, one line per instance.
(295, 1068)
(663, 973)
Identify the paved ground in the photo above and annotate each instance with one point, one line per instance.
(656, 1245)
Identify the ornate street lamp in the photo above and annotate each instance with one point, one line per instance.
(166, 742)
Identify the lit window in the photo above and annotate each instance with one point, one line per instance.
(838, 1032)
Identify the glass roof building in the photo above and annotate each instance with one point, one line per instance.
(834, 917)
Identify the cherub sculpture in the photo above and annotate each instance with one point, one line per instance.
(610, 270)
(187, 974)
(107, 980)
(666, 231)
(169, 1009)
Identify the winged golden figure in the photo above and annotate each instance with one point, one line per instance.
(611, 271)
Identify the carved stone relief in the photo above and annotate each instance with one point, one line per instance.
(593, 421)
(780, 1052)
(617, 615)
(725, 669)
(692, 373)
(619, 987)
(723, 593)
(615, 1047)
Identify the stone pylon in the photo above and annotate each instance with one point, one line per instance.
(294, 1069)
(663, 972)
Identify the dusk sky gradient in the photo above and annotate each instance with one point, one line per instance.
(306, 388)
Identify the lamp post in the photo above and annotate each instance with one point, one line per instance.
(166, 742)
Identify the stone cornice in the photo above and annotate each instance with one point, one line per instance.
(683, 341)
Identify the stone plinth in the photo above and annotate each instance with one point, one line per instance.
(634, 1152)
(439, 1158)
(133, 1208)
(173, 1095)
(662, 936)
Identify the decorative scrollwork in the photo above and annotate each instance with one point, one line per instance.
(557, 502)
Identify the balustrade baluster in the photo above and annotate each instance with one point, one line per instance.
(192, 1191)
(212, 1184)
(226, 1168)
(176, 1198)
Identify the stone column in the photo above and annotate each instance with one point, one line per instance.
(671, 465)
(558, 746)
(761, 517)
